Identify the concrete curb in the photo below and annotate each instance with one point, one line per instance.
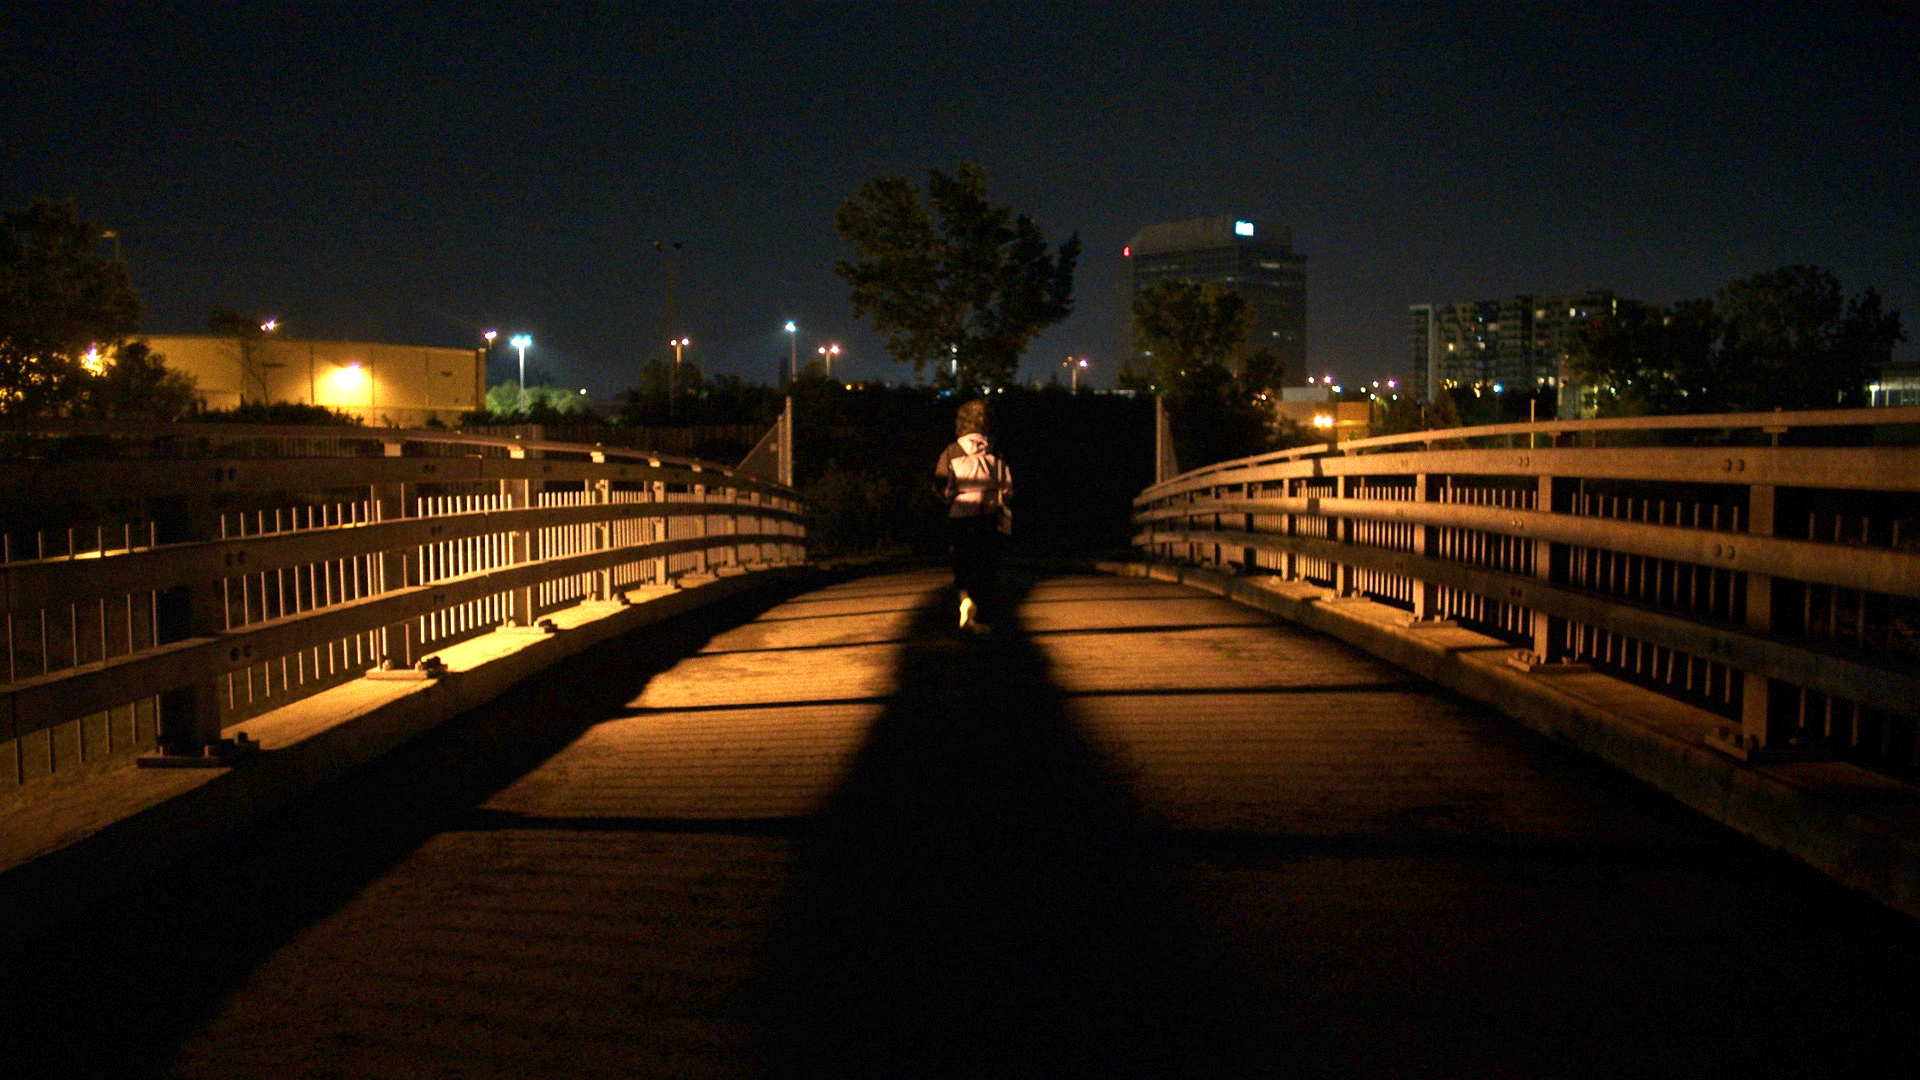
(1857, 827)
(121, 827)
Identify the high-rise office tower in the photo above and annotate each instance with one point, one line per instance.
(1254, 258)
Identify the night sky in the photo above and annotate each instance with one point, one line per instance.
(415, 177)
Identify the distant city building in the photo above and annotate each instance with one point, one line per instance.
(1318, 408)
(1898, 383)
(1254, 258)
(1519, 343)
(402, 385)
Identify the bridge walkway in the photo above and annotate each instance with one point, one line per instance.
(1146, 832)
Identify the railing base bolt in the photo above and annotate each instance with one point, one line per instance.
(215, 755)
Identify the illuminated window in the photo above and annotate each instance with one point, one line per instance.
(1243, 228)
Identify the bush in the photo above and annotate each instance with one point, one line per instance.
(279, 412)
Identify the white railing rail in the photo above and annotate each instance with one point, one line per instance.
(1776, 585)
(161, 583)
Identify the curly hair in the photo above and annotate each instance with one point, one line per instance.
(971, 419)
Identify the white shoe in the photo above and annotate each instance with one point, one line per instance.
(966, 610)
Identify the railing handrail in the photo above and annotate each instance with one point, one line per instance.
(1775, 422)
(344, 432)
(1784, 580)
(379, 560)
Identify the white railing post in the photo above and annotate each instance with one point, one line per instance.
(517, 494)
(600, 493)
(1755, 691)
(397, 571)
(189, 717)
(1426, 595)
(1342, 533)
(1542, 571)
(700, 528)
(660, 528)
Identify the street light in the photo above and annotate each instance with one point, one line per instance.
(793, 350)
(828, 352)
(270, 325)
(520, 342)
(1076, 365)
(673, 373)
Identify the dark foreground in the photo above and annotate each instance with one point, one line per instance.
(1148, 833)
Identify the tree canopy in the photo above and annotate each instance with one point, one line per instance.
(1188, 332)
(60, 298)
(136, 385)
(1184, 326)
(1787, 338)
(952, 280)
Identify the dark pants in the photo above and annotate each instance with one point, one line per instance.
(976, 557)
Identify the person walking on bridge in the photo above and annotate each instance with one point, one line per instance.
(977, 486)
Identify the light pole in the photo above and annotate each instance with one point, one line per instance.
(673, 373)
(1075, 365)
(793, 351)
(827, 353)
(520, 342)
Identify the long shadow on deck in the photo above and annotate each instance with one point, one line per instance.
(112, 993)
(983, 898)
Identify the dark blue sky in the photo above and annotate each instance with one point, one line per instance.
(410, 176)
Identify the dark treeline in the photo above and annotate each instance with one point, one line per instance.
(864, 459)
(864, 455)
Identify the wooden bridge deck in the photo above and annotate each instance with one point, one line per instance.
(1147, 833)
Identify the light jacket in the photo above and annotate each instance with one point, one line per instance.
(974, 479)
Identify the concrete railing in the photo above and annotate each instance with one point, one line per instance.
(1776, 585)
(162, 583)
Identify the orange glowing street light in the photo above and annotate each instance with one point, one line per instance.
(1076, 365)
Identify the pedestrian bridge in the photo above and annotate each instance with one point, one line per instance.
(809, 828)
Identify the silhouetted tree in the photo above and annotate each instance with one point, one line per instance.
(60, 297)
(952, 280)
(247, 332)
(1787, 338)
(136, 385)
(1187, 332)
(1182, 327)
